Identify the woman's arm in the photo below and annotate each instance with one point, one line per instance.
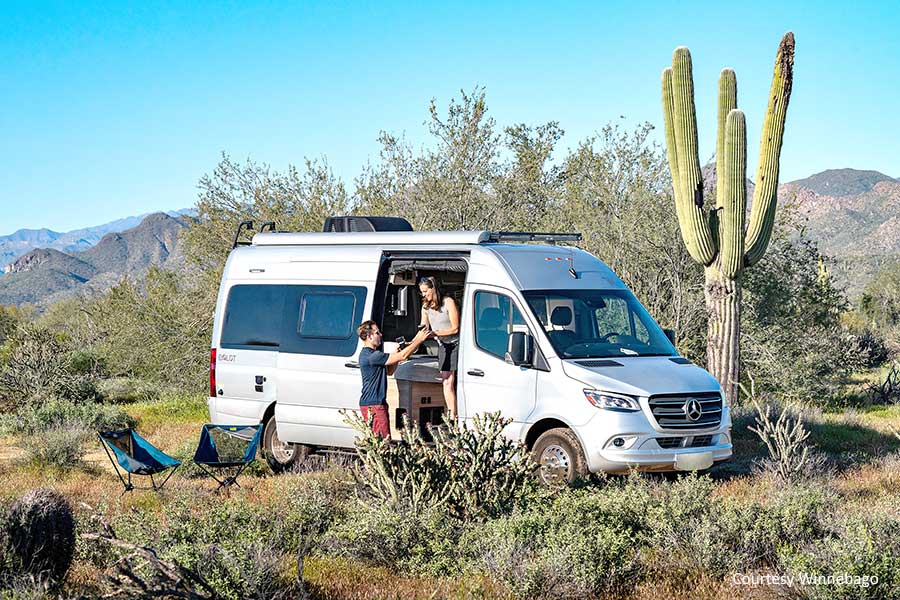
(453, 314)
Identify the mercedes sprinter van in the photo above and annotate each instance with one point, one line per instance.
(549, 337)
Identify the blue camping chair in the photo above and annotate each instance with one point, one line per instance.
(136, 456)
(227, 448)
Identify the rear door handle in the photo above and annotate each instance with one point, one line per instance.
(351, 364)
(476, 373)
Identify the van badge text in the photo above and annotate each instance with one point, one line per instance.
(227, 357)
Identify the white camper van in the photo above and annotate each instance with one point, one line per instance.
(549, 336)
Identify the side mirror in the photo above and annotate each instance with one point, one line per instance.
(520, 351)
(670, 333)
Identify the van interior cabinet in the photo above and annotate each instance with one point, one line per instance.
(415, 390)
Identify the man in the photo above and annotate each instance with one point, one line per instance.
(375, 366)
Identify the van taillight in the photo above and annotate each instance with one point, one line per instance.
(212, 372)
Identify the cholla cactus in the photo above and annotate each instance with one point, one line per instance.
(785, 438)
(720, 238)
(41, 533)
(471, 473)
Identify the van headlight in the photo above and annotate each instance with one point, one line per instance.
(610, 401)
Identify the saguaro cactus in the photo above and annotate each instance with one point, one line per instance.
(719, 237)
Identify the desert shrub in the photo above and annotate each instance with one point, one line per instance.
(861, 548)
(85, 362)
(243, 548)
(167, 317)
(472, 473)
(577, 544)
(42, 413)
(60, 445)
(792, 338)
(125, 390)
(398, 536)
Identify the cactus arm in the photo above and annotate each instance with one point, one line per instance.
(671, 151)
(695, 229)
(727, 103)
(734, 194)
(762, 213)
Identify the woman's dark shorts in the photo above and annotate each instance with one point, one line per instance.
(448, 355)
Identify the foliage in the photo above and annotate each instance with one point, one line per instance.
(398, 536)
(36, 360)
(472, 473)
(297, 200)
(865, 549)
(60, 446)
(159, 331)
(42, 413)
(792, 340)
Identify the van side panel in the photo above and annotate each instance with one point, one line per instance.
(315, 389)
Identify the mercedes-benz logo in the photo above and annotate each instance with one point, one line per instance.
(693, 410)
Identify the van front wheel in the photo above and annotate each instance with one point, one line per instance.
(559, 456)
(281, 456)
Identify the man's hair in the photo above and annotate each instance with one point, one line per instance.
(365, 328)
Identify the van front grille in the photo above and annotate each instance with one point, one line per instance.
(687, 411)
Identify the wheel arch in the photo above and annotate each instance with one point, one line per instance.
(544, 425)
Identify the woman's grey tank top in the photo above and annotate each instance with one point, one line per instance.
(440, 319)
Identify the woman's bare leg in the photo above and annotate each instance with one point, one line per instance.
(449, 381)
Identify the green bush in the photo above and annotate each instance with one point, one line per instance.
(241, 547)
(60, 445)
(580, 543)
(41, 414)
(124, 390)
(863, 548)
(399, 537)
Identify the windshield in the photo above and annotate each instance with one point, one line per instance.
(598, 324)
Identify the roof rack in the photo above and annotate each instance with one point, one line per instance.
(533, 236)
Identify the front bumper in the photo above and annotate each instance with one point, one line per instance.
(644, 444)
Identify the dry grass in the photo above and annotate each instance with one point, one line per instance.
(337, 578)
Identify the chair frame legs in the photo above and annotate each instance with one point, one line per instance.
(225, 482)
(129, 485)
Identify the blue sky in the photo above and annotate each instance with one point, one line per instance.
(115, 109)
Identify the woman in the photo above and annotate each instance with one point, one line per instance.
(442, 316)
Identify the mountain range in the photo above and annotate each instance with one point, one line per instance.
(46, 275)
(852, 215)
(16, 244)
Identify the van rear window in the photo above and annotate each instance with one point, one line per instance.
(253, 317)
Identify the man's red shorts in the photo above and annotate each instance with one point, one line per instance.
(380, 423)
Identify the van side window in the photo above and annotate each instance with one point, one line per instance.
(253, 317)
(494, 316)
(322, 319)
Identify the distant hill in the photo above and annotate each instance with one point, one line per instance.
(44, 276)
(854, 216)
(842, 182)
(22, 241)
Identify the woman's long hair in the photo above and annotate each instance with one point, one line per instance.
(431, 282)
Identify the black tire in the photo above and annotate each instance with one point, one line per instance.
(560, 457)
(281, 456)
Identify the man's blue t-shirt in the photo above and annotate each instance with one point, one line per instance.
(374, 377)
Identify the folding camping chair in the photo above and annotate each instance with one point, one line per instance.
(136, 456)
(227, 448)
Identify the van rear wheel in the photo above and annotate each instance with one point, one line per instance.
(560, 458)
(281, 456)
